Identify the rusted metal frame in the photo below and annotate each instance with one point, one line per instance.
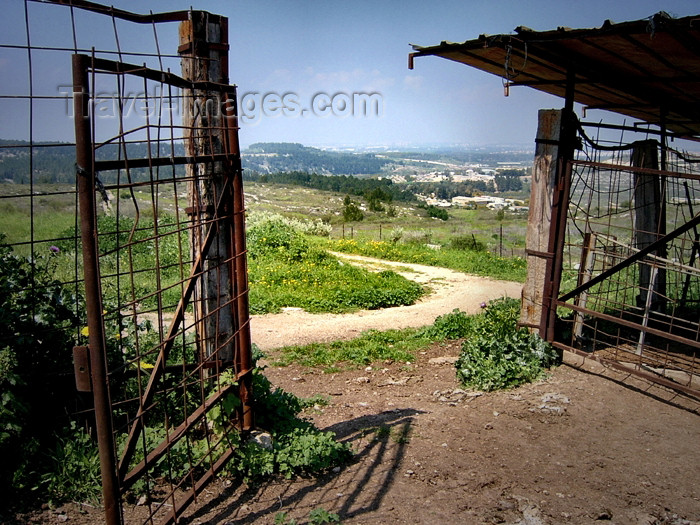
(555, 263)
(124, 68)
(238, 242)
(634, 371)
(166, 345)
(108, 165)
(93, 292)
(668, 262)
(173, 437)
(172, 16)
(693, 249)
(633, 258)
(197, 487)
(631, 324)
(560, 208)
(649, 171)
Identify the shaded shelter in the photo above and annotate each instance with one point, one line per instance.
(613, 234)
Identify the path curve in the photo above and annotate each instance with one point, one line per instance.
(450, 289)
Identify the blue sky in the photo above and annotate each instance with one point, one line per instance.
(327, 47)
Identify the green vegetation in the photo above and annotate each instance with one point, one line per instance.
(351, 211)
(476, 262)
(509, 180)
(497, 354)
(286, 270)
(298, 447)
(374, 346)
(317, 516)
(266, 157)
(437, 213)
(36, 383)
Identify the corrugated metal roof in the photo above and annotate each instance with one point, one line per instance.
(646, 69)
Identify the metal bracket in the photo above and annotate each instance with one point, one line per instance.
(81, 367)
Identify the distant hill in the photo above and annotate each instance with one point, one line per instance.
(273, 157)
(55, 162)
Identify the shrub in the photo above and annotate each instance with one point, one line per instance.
(467, 242)
(437, 213)
(37, 389)
(497, 354)
(455, 325)
(299, 448)
(275, 237)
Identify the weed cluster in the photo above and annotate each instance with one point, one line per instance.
(497, 354)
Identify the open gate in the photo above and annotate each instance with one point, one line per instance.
(168, 358)
(629, 291)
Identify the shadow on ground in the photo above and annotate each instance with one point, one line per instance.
(379, 442)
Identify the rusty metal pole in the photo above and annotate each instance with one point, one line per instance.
(93, 293)
(243, 360)
(560, 209)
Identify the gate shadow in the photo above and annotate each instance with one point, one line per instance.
(379, 442)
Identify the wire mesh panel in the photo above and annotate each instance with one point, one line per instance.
(137, 240)
(631, 283)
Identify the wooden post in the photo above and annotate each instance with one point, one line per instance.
(204, 52)
(544, 174)
(647, 220)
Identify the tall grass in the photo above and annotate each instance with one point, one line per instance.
(468, 261)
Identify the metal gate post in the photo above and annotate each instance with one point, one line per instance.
(93, 293)
(560, 210)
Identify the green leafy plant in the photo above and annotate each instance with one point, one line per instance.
(320, 516)
(38, 328)
(73, 467)
(298, 447)
(497, 354)
(281, 519)
(454, 325)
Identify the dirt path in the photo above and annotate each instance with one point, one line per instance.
(450, 290)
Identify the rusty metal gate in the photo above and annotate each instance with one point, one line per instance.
(629, 294)
(168, 358)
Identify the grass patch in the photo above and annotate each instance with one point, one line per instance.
(373, 345)
(370, 347)
(468, 261)
(286, 270)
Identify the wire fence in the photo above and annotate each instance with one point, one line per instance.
(631, 260)
(138, 225)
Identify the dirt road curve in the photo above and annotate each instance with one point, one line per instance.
(450, 290)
